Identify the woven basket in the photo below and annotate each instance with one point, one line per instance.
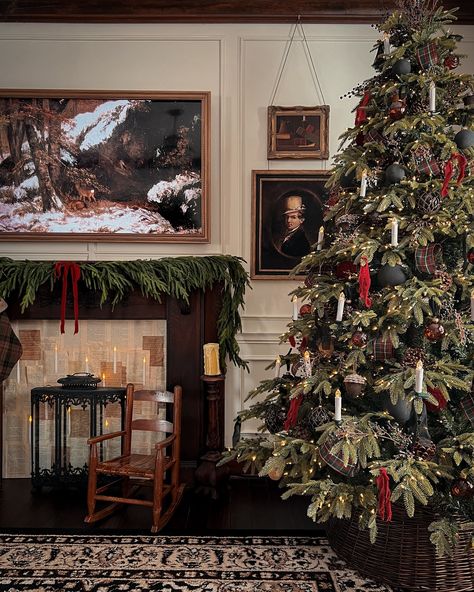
(403, 555)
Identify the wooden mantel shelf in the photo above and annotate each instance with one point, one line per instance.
(207, 11)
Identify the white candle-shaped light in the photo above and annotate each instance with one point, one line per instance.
(432, 96)
(320, 238)
(340, 306)
(472, 306)
(307, 363)
(56, 358)
(18, 372)
(363, 184)
(30, 427)
(68, 420)
(277, 367)
(144, 369)
(394, 228)
(87, 364)
(294, 300)
(337, 405)
(115, 359)
(419, 377)
(103, 378)
(386, 44)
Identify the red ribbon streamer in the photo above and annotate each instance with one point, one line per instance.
(361, 111)
(63, 268)
(449, 171)
(292, 341)
(384, 503)
(292, 416)
(364, 282)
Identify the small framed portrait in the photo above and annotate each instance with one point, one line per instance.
(298, 132)
(287, 213)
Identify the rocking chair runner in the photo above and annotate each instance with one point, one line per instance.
(136, 470)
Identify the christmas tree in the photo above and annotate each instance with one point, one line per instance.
(377, 405)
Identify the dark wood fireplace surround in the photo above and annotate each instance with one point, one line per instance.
(188, 327)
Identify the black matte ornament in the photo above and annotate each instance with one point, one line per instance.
(394, 174)
(464, 139)
(274, 418)
(391, 276)
(401, 67)
(468, 100)
(400, 411)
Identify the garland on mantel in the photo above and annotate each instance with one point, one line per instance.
(173, 276)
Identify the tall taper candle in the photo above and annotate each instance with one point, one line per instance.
(103, 379)
(432, 96)
(56, 358)
(87, 364)
(115, 359)
(340, 306)
(320, 239)
(30, 427)
(277, 367)
(144, 369)
(472, 306)
(386, 44)
(18, 375)
(295, 307)
(337, 405)
(307, 363)
(68, 420)
(419, 377)
(363, 184)
(394, 241)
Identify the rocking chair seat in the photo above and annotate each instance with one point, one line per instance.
(133, 465)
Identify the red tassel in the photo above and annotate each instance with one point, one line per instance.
(292, 415)
(62, 268)
(361, 111)
(449, 171)
(292, 341)
(384, 503)
(364, 282)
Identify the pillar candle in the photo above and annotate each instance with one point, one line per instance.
(432, 96)
(419, 377)
(307, 363)
(56, 358)
(211, 359)
(277, 367)
(394, 241)
(294, 300)
(320, 239)
(363, 184)
(115, 359)
(337, 405)
(340, 306)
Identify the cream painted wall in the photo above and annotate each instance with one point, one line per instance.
(239, 64)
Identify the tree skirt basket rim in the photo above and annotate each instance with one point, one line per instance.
(403, 555)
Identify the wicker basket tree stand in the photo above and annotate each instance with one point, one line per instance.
(403, 555)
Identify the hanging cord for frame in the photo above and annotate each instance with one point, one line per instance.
(298, 26)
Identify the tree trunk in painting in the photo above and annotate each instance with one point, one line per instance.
(15, 133)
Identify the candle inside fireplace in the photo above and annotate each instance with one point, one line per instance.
(87, 364)
(30, 427)
(18, 374)
(103, 378)
(56, 358)
(115, 359)
(144, 369)
(68, 420)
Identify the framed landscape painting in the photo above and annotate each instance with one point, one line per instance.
(298, 132)
(104, 166)
(287, 213)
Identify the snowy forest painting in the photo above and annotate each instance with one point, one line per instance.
(102, 166)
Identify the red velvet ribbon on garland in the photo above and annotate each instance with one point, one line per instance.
(361, 111)
(449, 171)
(364, 282)
(62, 268)
(384, 503)
(292, 415)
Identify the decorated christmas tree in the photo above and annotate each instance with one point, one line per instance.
(376, 405)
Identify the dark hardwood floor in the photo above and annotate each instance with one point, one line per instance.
(251, 505)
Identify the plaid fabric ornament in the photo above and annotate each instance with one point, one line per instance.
(425, 162)
(335, 460)
(426, 258)
(467, 405)
(383, 348)
(428, 55)
(10, 347)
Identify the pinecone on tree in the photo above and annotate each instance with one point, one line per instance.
(412, 355)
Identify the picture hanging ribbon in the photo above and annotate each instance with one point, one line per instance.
(361, 111)
(63, 268)
(426, 258)
(449, 171)
(292, 415)
(384, 503)
(364, 282)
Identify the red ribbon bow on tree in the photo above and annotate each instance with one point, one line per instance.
(63, 268)
(449, 171)
(361, 111)
(384, 503)
(364, 282)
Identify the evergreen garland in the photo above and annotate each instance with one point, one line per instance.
(177, 277)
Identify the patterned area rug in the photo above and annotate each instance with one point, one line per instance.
(106, 563)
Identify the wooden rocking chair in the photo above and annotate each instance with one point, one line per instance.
(137, 470)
